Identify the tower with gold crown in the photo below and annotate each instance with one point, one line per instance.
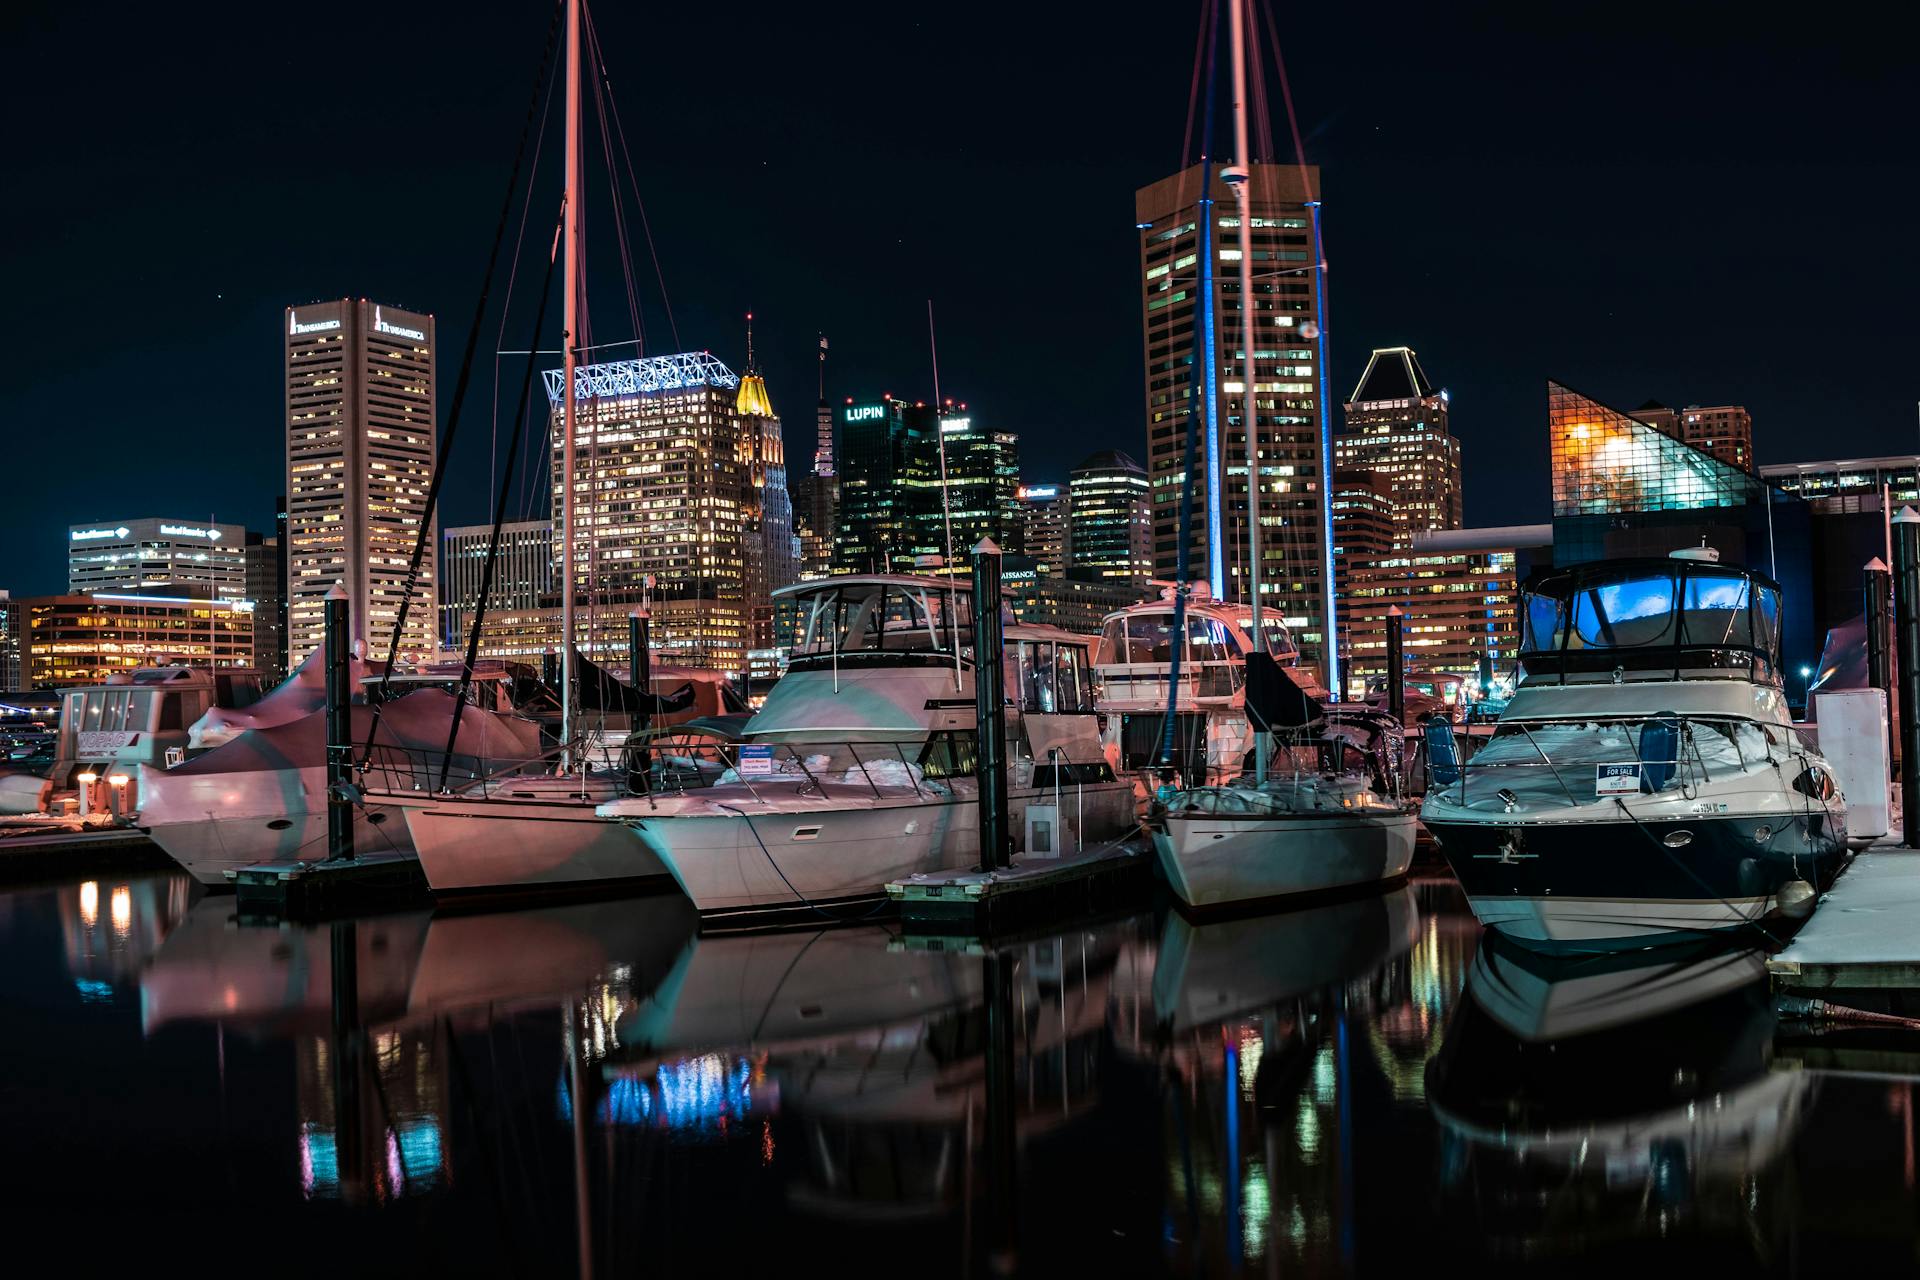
(771, 552)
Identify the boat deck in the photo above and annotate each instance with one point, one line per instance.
(1863, 934)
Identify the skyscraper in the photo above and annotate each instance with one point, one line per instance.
(1192, 316)
(360, 455)
(1111, 519)
(666, 503)
(980, 496)
(816, 491)
(1397, 427)
(1725, 431)
(266, 587)
(1045, 525)
(156, 555)
(772, 559)
(523, 575)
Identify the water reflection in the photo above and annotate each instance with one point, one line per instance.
(1357, 1086)
(1588, 1100)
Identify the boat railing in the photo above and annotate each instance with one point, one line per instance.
(1212, 680)
(1687, 754)
(655, 766)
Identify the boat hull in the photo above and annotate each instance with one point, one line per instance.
(211, 847)
(1595, 883)
(1225, 860)
(775, 857)
(507, 846)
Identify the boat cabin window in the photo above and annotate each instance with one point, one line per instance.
(1279, 639)
(870, 617)
(950, 753)
(1143, 638)
(1697, 618)
(1052, 678)
(1150, 637)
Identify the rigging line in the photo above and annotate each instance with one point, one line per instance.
(1193, 90)
(633, 180)
(946, 508)
(445, 446)
(513, 276)
(499, 514)
(1286, 97)
(1257, 73)
(597, 72)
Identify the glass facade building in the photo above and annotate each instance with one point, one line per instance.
(1110, 534)
(1605, 461)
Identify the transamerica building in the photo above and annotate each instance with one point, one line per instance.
(360, 456)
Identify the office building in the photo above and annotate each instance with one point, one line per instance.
(1397, 425)
(266, 588)
(1458, 592)
(1725, 431)
(1072, 604)
(1363, 528)
(1110, 520)
(889, 472)
(981, 489)
(82, 639)
(1853, 501)
(772, 555)
(360, 414)
(157, 555)
(816, 492)
(665, 505)
(523, 575)
(1045, 525)
(11, 624)
(1192, 316)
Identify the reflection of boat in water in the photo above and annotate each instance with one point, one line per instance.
(408, 966)
(1589, 1099)
(111, 927)
(1208, 973)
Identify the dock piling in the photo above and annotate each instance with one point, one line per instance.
(1906, 610)
(1396, 664)
(339, 729)
(989, 698)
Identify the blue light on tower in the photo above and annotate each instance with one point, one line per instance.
(1330, 641)
(1210, 407)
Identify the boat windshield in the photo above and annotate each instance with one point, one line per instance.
(873, 617)
(1149, 637)
(1693, 617)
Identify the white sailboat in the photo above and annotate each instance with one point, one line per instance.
(1332, 815)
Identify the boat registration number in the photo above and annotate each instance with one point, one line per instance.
(1616, 779)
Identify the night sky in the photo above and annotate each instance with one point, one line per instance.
(1690, 203)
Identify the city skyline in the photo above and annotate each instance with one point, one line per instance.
(230, 230)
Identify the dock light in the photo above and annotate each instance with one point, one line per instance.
(86, 781)
(1806, 673)
(118, 796)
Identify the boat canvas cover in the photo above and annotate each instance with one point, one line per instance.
(1517, 761)
(679, 693)
(1275, 698)
(299, 695)
(417, 723)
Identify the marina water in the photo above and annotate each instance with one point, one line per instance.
(1351, 1087)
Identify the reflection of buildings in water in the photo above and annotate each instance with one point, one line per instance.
(1411, 995)
(372, 1007)
(1264, 1021)
(381, 1135)
(1594, 1100)
(111, 927)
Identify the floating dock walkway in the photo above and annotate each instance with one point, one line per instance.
(1032, 892)
(1865, 934)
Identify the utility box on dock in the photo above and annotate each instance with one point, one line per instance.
(1043, 831)
(1854, 739)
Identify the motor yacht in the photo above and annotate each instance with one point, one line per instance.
(859, 769)
(1645, 779)
(1136, 674)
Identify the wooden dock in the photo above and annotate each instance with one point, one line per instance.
(1865, 934)
(1032, 893)
(29, 850)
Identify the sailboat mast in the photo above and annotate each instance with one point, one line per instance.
(1239, 176)
(569, 343)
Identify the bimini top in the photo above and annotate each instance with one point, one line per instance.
(1648, 619)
